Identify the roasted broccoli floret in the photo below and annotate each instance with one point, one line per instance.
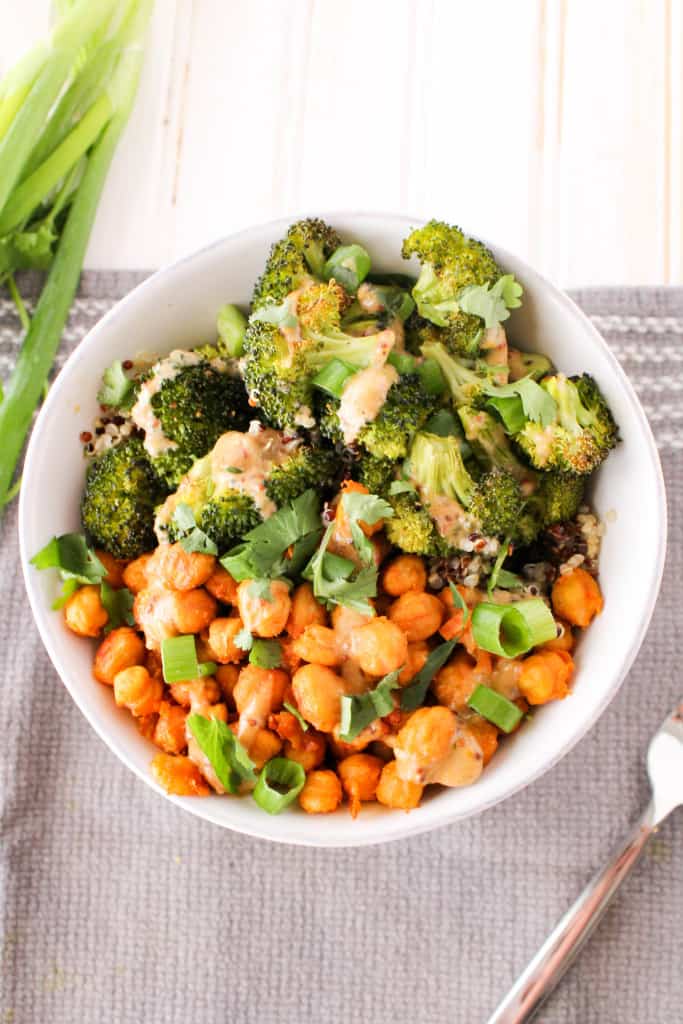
(307, 467)
(560, 496)
(492, 449)
(375, 473)
(121, 492)
(287, 345)
(583, 433)
(451, 263)
(411, 527)
(465, 384)
(297, 257)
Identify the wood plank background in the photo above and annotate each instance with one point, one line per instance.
(550, 126)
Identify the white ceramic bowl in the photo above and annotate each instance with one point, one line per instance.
(177, 307)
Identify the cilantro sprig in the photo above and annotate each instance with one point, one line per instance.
(361, 710)
(76, 563)
(191, 538)
(520, 401)
(228, 758)
(265, 550)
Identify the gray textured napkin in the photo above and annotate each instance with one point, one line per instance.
(118, 907)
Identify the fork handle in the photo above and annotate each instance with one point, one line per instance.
(546, 969)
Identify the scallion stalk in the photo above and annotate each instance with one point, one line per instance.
(279, 784)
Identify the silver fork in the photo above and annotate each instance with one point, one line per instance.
(544, 971)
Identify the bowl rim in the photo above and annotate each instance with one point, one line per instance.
(410, 828)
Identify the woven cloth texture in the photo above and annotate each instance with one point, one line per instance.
(118, 907)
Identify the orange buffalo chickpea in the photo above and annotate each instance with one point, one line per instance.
(196, 693)
(407, 572)
(261, 616)
(415, 661)
(290, 660)
(322, 792)
(84, 612)
(545, 676)
(342, 524)
(135, 573)
(318, 692)
(318, 644)
(455, 683)
(121, 649)
(222, 586)
(180, 569)
(485, 734)
(425, 740)
(222, 633)
(169, 731)
(418, 614)
(305, 611)
(393, 791)
(359, 776)
(114, 568)
(380, 646)
(193, 610)
(226, 676)
(306, 747)
(146, 726)
(576, 597)
(563, 642)
(137, 690)
(259, 692)
(178, 775)
(262, 745)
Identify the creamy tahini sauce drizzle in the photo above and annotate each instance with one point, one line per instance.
(143, 414)
(254, 455)
(254, 715)
(363, 397)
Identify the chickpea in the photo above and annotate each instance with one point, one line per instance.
(196, 693)
(114, 568)
(135, 689)
(417, 656)
(222, 633)
(407, 572)
(84, 612)
(290, 659)
(485, 734)
(135, 573)
(259, 692)
(146, 726)
(345, 748)
(226, 677)
(345, 620)
(318, 692)
(305, 611)
(169, 732)
(261, 617)
(545, 676)
(154, 665)
(563, 642)
(262, 746)
(322, 792)
(178, 775)
(221, 585)
(393, 791)
(379, 647)
(342, 524)
(418, 614)
(424, 741)
(318, 644)
(455, 683)
(193, 610)
(121, 649)
(463, 764)
(306, 748)
(576, 597)
(359, 776)
(180, 569)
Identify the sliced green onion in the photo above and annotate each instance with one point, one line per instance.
(279, 784)
(206, 668)
(498, 565)
(495, 707)
(228, 758)
(265, 653)
(402, 361)
(443, 423)
(397, 302)
(231, 324)
(349, 265)
(297, 714)
(413, 695)
(509, 630)
(333, 377)
(459, 603)
(179, 659)
(433, 380)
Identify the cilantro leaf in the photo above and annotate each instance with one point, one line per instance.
(519, 401)
(491, 302)
(190, 537)
(366, 508)
(266, 653)
(118, 605)
(118, 390)
(261, 554)
(358, 712)
(332, 582)
(228, 758)
(413, 695)
(243, 639)
(72, 556)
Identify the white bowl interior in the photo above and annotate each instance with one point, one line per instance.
(177, 307)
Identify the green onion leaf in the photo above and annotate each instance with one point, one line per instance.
(397, 302)
(179, 659)
(433, 380)
(118, 390)
(228, 758)
(498, 565)
(495, 707)
(459, 602)
(72, 556)
(297, 714)
(509, 630)
(333, 377)
(402, 361)
(279, 784)
(206, 668)
(266, 653)
(231, 324)
(118, 605)
(413, 695)
(358, 712)
(349, 265)
(509, 580)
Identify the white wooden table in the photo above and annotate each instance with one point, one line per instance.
(551, 126)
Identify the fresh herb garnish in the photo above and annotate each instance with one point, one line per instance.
(243, 639)
(117, 390)
(260, 555)
(459, 603)
(492, 302)
(190, 537)
(332, 583)
(401, 487)
(366, 508)
(519, 401)
(179, 660)
(413, 695)
(118, 605)
(77, 563)
(279, 784)
(358, 712)
(509, 630)
(495, 707)
(260, 589)
(228, 758)
(297, 714)
(266, 653)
